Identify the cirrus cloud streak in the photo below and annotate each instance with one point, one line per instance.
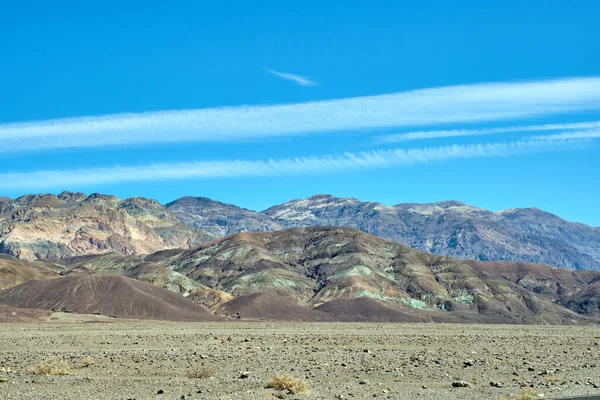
(575, 135)
(442, 105)
(423, 135)
(276, 167)
(298, 79)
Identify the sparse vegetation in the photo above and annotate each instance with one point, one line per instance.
(52, 366)
(551, 378)
(289, 383)
(88, 361)
(198, 372)
(525, 394)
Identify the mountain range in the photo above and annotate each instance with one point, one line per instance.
(446, 228)
(72, 224)
(309, 274)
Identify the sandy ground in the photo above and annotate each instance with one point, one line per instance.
(148, 360)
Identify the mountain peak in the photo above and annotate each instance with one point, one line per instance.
(219, 219)
(327, 197)
(71, 196)
(322, 196)
(197, 201)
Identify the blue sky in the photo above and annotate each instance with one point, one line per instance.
(496, 104)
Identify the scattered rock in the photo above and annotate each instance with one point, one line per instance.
(364, 382)
(461, 384)
(496, 384)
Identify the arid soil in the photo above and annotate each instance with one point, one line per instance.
(149, 360)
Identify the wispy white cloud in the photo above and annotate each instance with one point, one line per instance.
(454, 104)
(299, 79)
(422, 135)
(279, 167)
(583, 134)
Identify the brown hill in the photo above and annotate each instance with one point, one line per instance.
(14, 271)
(269, 306)
(321, 264)
(115, 296)
(211, 298)
(12, 314)
(326, 273)
(369, 310)
(586, 301)
(135, 267)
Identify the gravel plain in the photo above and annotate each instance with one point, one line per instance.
(117, 359)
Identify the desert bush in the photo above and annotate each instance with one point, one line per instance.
(52, 366)
(88, 361)
(198, 372)
(289, 383)
(525, 394)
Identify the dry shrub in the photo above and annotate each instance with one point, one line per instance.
(52, 366)
(552, 378)
(88, 361)
(287, 382)
(198, 372)
(526, 394)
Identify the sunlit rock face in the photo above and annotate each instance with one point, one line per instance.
(49, 226)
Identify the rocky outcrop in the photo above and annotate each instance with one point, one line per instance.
(70, 224)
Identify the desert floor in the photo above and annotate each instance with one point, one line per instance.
(150, 360)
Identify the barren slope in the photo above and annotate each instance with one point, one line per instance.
(320, 264)
(107, 295)
(268, 306)
(14, 271)
(12, 314)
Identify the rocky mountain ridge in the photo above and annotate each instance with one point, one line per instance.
(447, 228)
(73, 224)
